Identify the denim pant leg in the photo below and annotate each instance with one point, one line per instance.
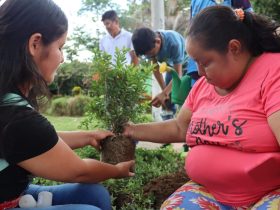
(94, 195)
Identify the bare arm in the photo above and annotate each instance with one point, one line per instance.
(159, 78)
(159, 99)
(79, 139)
(134, 58)
(61, 164)
(169, 131)
(274, 123)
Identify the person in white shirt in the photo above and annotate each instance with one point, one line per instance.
(116, 38)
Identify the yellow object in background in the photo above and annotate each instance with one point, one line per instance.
(163, 67)
(180, 86)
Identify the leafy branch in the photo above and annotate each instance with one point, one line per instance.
(117, 90)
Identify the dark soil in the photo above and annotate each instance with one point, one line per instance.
(117, 149)
(121, 199)
(162, 187)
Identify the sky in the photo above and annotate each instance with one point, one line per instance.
(71, 10)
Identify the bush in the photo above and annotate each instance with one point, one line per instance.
(77, 105)
(59, 106)
(269, 8)
(70, 75)
(76, 90)
(68, 106)
(117, 91)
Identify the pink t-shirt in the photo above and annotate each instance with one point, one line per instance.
(234, 153)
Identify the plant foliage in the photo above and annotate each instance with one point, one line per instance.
(269, 8)
(70, 75)
(117, 91)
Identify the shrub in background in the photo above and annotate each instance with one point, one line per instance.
(76, 90)
(69, 75)
(68, 106)
(269, 8)
(77, 105)
(59, 107)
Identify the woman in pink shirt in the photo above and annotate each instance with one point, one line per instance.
(231, 118)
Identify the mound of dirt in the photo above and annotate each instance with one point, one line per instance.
(162, 187)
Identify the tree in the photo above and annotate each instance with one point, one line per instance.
(176, 14)
(97, 7)
(138, 14)
(81, 41)
(70, 75)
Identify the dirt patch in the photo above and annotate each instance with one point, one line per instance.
(122, 199)
(162, 187)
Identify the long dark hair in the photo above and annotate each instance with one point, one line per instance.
(19, 19)
(215, 26)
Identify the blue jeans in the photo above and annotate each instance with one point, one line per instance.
(73, 197)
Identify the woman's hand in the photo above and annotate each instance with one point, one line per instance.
(97, 136)
(128, 130)
(125, 169)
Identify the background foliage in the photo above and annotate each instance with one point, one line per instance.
(69, 75)
(68, 106)
(270, 8)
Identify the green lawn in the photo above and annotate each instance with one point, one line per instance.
(66, 123)
(63, 123)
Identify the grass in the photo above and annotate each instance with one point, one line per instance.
(66, 123)
(63, 123)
